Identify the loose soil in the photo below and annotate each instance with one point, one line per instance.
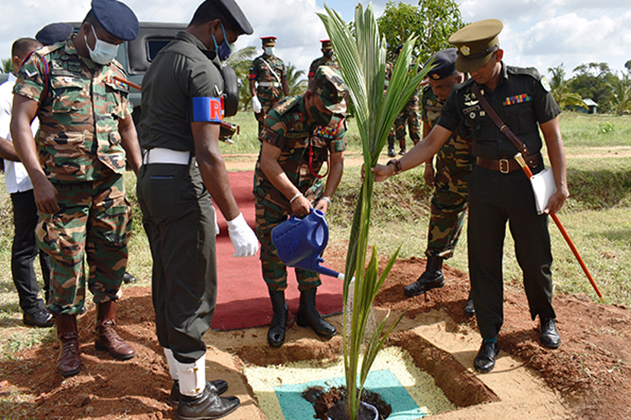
(591, 371)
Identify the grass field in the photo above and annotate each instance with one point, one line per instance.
(596, 215)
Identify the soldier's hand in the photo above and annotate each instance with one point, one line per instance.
(301, 206)
(382, 172)
(428, 175)
(556, 202)
(243, 237)
(45, 195)
(322, 205)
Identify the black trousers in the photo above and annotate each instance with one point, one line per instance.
(24, 251)
(179, 219)
(494, 200)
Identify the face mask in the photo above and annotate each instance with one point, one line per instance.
(224, 50)
(328, 54)
(269, 51)
(321, 118)
(103, 52)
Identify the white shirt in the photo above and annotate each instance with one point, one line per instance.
(15, 175)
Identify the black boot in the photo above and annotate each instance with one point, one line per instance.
(391, 152)
(432, 278)
(276, 332)
(308, 315)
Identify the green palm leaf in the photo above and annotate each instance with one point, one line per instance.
(362, 61)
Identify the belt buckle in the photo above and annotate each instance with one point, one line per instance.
(504, 166)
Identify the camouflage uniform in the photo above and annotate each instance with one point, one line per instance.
(83, 158)
(285, 128)
(321, 61)
(268, 95)
(454, 163)
(408, 115)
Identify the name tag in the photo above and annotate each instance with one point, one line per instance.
(206, 109)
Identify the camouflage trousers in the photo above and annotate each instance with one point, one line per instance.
(268, 216)
(93, 223)
(410, 116)
(448, 211)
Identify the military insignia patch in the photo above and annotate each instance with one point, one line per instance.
(545, 84)
(517, 99)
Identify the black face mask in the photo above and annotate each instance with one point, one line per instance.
(328, 54)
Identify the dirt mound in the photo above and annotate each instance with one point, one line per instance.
(591, 369)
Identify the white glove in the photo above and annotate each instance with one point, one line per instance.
(256, 104)
(243, 237)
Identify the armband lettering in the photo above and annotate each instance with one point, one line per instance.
(206, 109)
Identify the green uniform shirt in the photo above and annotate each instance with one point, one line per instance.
(261, 71)
(522, 101)
(79, 114)
(286, 128)
(322, 61)
(182, 71)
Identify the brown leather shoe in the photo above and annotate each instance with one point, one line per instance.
(107, 339)
(69, 362)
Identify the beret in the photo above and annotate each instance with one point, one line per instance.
(116, 18)
(54, 32)
(444, 63)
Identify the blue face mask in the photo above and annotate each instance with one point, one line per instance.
(223, 50)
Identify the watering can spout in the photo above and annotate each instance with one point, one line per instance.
(300, 242)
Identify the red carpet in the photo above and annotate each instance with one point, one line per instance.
(242, 297)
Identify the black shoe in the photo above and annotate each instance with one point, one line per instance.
(484, 362)
(218, 387)
(308, 315)
(402, 152)
(276, 332)
(432, 278)
(207, 405)
(40, 319)
(128, 278)
(549, 334)
(391, 152)
(469, 310)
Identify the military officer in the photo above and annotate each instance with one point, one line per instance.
(76, 162)
(301, 133)
(268, 80)
(327, 59)
(499, 192)
(454, 163)
(409, 115)
(182, 170)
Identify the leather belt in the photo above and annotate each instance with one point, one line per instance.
(161, 155)
(269, 84)
(507, 165)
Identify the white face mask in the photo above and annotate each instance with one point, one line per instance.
(269, 51)
(103, 52)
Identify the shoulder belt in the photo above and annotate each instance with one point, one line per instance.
(270, 68)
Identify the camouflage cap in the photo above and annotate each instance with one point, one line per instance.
(475, 43)
(326, 44)
(269, 41)
(444, 64)
(330, 87)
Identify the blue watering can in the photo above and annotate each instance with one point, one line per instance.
(300, 242)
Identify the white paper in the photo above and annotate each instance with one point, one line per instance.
(544, 186)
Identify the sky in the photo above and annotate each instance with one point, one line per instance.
(537, 33)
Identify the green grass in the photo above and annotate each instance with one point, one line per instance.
(596, 216)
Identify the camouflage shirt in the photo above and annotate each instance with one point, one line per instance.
(79, 113)
(260, 72)
(322, 61)
(286, 128)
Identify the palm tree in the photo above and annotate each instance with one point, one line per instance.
(240, 60)
(297, 85)
(621, 96)
(561, 89)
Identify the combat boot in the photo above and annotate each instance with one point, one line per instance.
(69, 362)
(402, 146)
(107, 339)
(276, 332)
(308, 315)
(432, 278)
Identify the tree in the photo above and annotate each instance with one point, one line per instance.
(621, 94)
(296, 81)
(594, 81)
(433, 21)
(7, 66)
(561, 89)
(240, 60)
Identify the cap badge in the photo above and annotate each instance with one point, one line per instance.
(465, 50)
(435, 76)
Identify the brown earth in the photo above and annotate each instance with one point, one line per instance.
(590, 372)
